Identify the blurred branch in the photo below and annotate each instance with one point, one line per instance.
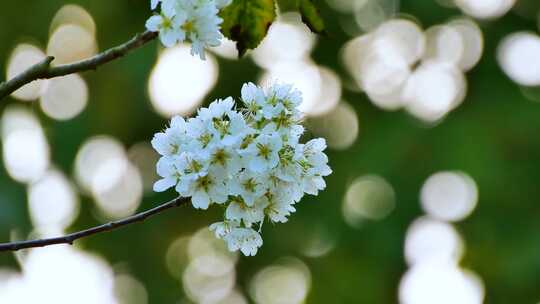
(70, 238)
(44, 70)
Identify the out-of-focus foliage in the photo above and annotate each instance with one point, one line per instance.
(247, 22)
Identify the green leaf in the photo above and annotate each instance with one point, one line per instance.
(311, 16)
(247, 22)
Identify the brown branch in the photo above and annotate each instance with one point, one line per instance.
(44, 70)
(70, 238)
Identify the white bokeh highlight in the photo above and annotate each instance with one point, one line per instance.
(179, 82)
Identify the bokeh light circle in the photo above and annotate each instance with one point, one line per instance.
(65, 97)
(369, 197)
(449, 196)
(519, 57)
(179, 82)
(22, 58)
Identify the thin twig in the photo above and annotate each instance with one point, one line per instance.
(70, 238)
(44, 70)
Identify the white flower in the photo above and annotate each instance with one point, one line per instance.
(191, 165)
(166, 168)
(167, 24)
(204, 189)
(226, 159)
(288, 168)
(200, 131)
(203, 28)
(170, 142)
(246, 240)
(154, 3)
(224, 123)
(262, 154)
(314, 165)
(249, 185)
(217, 109)
(287, 95)
(239, 211)
(196, 21)
(248, 158)
(221, 229)
(280, 206)
(254, 99)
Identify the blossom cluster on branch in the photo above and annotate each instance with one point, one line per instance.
(196, 21)
(246, 156)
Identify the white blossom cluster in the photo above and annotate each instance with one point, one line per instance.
(196, 21)
(246, 157)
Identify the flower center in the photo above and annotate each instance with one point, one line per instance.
(264, 150)
(188, 26)
(204, 182)
(250, 185)
(220, 157)
(167, 23)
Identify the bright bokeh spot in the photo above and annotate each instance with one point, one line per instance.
(371, 13)
(283, 283)
(519, 57)
(234, 297)
(369, 197)
(71, 42)
(60, 275)
(330, 93)
(449, 196)
(290, 31)
(65, 97)
(227, 49)
(22, 58)
(203, 242)
(339, 127)
(403, 35)
(384, 71)
(206, 268)
(352, 55)
(24, 146)
(345, 6)
(433, 90)
(485, 9)
(176, 257)
(204, 286)
(121, 198)
(102, 169)
(94, 153)
(473, 42)
(26, 155)
(381, 62)
(398, 65)
(179, 82)
(73, 14)
(18, 118)
(53, 203)
(441, 283)
(429, 240)
(444, 44)
(319, 242)
(129, 290)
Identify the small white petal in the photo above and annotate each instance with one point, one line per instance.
(164, 184)
(154, 23)
(200, 200)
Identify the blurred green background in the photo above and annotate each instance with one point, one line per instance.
(492, 137)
